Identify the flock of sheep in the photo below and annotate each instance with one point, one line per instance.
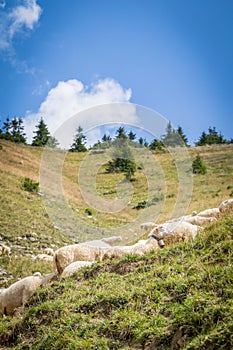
(69, 259)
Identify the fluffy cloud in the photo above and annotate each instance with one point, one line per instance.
(24, 16)
(70, 97)
(19, 19)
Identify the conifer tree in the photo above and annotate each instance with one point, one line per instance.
(79, 142)
(17, 131)
(123, 160)
(182, 135)
(198, 165)
(42, 134)
(171, 138)
(141, 141)
(131, 135)
(210, 138)
(7, 128)
(121, 133)
(156, 145)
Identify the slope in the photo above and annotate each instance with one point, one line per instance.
(177, 298)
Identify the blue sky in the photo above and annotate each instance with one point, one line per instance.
(59, 57)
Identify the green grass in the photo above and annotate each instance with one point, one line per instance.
(178, 298)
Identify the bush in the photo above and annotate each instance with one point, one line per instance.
(198, 166)
(89, 211)
(141, 205)
(30, 185)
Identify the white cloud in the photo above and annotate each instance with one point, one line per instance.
(20, 19)
(71, 97)
(24, 16)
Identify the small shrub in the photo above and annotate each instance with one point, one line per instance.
(30, 185)
(141, 205)
(89, 211)
(198, 166)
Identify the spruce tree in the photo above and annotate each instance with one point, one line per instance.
(42, 134)
(131, 135)
(79, 142)
(211, 138)
(182, 135)
(156, 145)
(172, 137)
(198, 165)
(123, 160)
(17, 131)
(141, 141)
(7, 128)
(121, 133)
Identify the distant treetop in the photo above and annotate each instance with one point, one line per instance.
(210, 138)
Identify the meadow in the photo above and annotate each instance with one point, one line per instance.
(177, 298)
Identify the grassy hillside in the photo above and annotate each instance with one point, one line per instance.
(178, 298)
(22, 214)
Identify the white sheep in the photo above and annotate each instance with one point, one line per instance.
(199, 220)
(140, 248)
(66, 255)
(213, 212)
(176, 231)
(5, 250)
(43, 257)
(75, 266)
(79, 252)
(226, 206)
(147, 225)
(49, 251)
(19, 292)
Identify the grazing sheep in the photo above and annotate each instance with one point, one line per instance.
(147, 225)
(49, 251)
(75, 266)
(4, 249)
(43, 257)
(213, 212)
(19, 292)
(76, 252)
(80, 252)
(140, 248)
(199, 220)
(226, 206)
(176, 231)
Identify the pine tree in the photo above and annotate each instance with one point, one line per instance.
(182, 135)
(17, 130)
(52, 142)
(79, 142)
(156, 145)
(42, 134)
(106, 138)
(123, 160)
(198, 166)
(213, 137)
(171, 138)
(7, 128)
(141, 141)
(121, 133)
(131, 135)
